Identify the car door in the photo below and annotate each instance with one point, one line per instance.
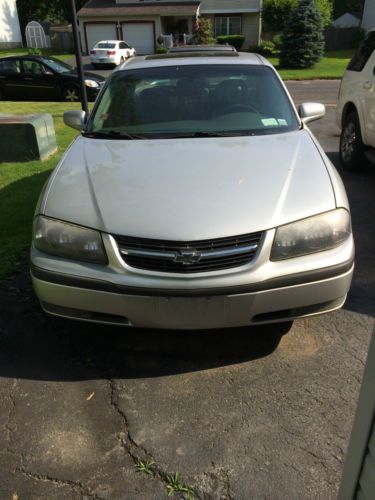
(121, 50)
(130, 51)
(369, 97)
(40, 82)
(10, 78)
(359, 86)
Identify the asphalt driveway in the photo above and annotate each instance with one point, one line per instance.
(260, 413)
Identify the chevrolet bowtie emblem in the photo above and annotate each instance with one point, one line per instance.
(188, 257)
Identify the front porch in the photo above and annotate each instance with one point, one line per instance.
(177, 30)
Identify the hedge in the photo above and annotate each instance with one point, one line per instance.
(235, 40)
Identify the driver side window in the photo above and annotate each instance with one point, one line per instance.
(33, 67)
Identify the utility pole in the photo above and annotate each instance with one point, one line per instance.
(77, 50)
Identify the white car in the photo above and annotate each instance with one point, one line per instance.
(356, 107)
(110, 52)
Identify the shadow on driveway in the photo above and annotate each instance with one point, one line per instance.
(360, 188)
(36, 346)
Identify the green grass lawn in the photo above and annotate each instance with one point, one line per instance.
(331, 66)
(21, 183)
(24, 52)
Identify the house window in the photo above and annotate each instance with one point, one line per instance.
(227, 25)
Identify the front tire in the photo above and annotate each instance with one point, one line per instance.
(351, 146)
(71, 94)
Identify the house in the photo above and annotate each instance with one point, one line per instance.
(368, 19)
(348, 20)
(142, 22)
(10, 32)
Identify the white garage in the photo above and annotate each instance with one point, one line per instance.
(96, 32)
(140, 36)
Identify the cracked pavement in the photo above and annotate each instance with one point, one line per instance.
(243, 413)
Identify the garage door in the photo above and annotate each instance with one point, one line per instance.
(140, 36)
(97, 32)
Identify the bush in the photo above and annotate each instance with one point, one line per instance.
(235, 40)
(265, 48)
(303, 40)
(358, 37)
(277, 39)
(203, 32)
(34, 52)
(161, 49)
(276, 13)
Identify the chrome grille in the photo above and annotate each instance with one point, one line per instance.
(188, 257)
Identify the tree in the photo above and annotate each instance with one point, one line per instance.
(203, 31)
(302, 40)
(276, 13)
(56, 11)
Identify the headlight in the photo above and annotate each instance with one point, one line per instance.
(68, 240)
(311, 235)
(91, 83)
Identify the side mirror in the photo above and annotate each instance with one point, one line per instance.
(75, 119)
(310, 111)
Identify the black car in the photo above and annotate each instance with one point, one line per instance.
(43, 79)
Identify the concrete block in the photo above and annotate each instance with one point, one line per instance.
(26, 137)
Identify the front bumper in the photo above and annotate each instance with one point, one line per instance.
(259, 292)
(93, 301)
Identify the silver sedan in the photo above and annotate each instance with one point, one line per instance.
(194, 197)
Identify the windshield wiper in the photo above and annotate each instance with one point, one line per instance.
(188, 135)
(112, 134)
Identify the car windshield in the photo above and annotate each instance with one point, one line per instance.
(192, 101)
(58, 66)
(105, 45)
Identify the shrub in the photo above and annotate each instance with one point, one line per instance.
(265, 48)
(358, 37)
(203, 32)
(277, 41)
(303, 40)
(161, 49)
(34, 52)
(276, 13)
(235, 40)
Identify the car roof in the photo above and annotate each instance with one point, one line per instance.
(25, 56)
(192, 58)
(203, 48)
(108, 41)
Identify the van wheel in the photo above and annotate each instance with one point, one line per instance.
(71, 94)
(351, 146)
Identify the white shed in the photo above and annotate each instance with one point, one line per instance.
(35, 35)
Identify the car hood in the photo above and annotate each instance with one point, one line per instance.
(190, 189)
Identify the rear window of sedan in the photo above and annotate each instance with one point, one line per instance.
(105, 45)
(175, 101)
